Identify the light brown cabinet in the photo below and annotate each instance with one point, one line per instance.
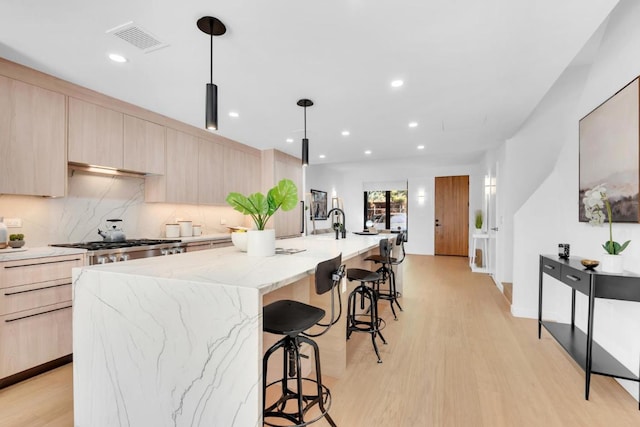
(277, 165)
(241, 171)
(211, 173)
(35, 312)
(144, 146)
(179, 184)
(95, 135)
(207, 244)
(32, 140)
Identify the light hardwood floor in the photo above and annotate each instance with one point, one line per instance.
(456, 357)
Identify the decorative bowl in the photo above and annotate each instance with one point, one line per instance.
(239, 240)
(16, 243)
(590, 264)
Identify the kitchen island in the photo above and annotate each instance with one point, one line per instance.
(177, 341)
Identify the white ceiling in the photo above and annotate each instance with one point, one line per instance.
(473, 69)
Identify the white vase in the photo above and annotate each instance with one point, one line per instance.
(261, 242)
(612, 263)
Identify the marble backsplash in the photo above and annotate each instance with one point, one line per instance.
(92, 199)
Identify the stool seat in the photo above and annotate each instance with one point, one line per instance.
(287, 317)
(381, 259)
(362, 275)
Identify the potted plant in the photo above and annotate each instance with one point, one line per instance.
(261, 208)
(595, 202)
(478, 219)
(16, 240)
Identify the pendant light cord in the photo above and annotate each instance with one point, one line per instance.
(211, 51)
(305, 122)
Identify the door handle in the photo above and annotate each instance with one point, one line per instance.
(494, 228)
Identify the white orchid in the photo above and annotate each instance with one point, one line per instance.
(595, 202)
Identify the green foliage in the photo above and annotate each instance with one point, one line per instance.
(260, 207)
(478, 219)
(14, 237)
(614, 248)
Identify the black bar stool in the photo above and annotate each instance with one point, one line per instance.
(291, 319)
(366, 319)
(386, 271)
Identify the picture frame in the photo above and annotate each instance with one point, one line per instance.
(318, 205)
(609, 153)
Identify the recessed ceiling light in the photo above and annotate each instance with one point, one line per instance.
(289, 140)
(233, 114)
(367, 152)
(413, 124)
(420, 147)
(322, 156)
(345, 133)
(117, 58)
(397, 83)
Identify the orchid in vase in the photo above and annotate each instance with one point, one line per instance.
(595, 202)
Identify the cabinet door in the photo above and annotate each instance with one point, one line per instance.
(211, 173)
(95, 135)
(32, 140)
(182, 167)
(144, 146)
(241, 171)
(285, 166)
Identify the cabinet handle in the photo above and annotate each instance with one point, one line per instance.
(573, 278)
(42, 263)
(8, 294)
(37, 314)
(549, 267)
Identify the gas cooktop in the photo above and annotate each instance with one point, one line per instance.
(100, 245)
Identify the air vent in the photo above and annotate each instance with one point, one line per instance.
(138, 37)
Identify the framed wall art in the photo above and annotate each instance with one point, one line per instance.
(318, 205)
(609, 152)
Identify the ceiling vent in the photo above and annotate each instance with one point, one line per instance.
(138, 37)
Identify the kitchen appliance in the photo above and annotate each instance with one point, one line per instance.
(106, 252)
(114, 232)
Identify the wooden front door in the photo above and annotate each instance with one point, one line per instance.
(452, 215)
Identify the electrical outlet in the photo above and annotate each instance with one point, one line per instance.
(223, 221)
(13, 222)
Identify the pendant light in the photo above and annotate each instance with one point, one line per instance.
(213, 27)
(305, 142)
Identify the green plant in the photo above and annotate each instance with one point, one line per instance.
(478, 219)
(283, 196)
(14, 237)
(595, 201)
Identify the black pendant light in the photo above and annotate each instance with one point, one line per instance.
(213, 27)
(305, 142)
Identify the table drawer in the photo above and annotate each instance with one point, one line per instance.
(579, 280)
(38, 270)
(27, 297)
(551, 267)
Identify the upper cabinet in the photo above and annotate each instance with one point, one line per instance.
(32, 140)
(241, 171)
(277, 165)
(144, 146)
(211, 173)
(95, 135)
(179, 184)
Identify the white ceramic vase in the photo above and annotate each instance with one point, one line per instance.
(261, 242)
(612, 263)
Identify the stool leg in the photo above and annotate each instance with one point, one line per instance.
(316, 355)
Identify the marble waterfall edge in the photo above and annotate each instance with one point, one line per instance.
(152, 352)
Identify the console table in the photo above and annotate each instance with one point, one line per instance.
(594, 284)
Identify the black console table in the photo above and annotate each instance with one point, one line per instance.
(594, 284)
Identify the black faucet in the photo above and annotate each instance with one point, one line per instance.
(339, 228)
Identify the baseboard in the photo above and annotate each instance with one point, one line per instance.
(525, 312)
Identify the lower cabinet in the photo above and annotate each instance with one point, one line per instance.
(35, 312)
(207, 244)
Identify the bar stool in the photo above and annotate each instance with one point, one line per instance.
(291, 319)
(366, 319)
(386, 271)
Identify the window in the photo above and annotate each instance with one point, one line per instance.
(386, 209)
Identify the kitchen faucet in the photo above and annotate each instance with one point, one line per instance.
(342, 226)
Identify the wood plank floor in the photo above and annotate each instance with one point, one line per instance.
(456, 357)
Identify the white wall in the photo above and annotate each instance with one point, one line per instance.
(550, 215)
(420, 176)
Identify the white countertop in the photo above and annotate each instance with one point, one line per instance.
(24, 252)
(230, 266)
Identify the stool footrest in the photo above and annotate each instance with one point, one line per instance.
(279, 410)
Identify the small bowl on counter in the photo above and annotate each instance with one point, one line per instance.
(239, 240)
(590, 264)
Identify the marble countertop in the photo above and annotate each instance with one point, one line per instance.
(10, 254)
(230, 266)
